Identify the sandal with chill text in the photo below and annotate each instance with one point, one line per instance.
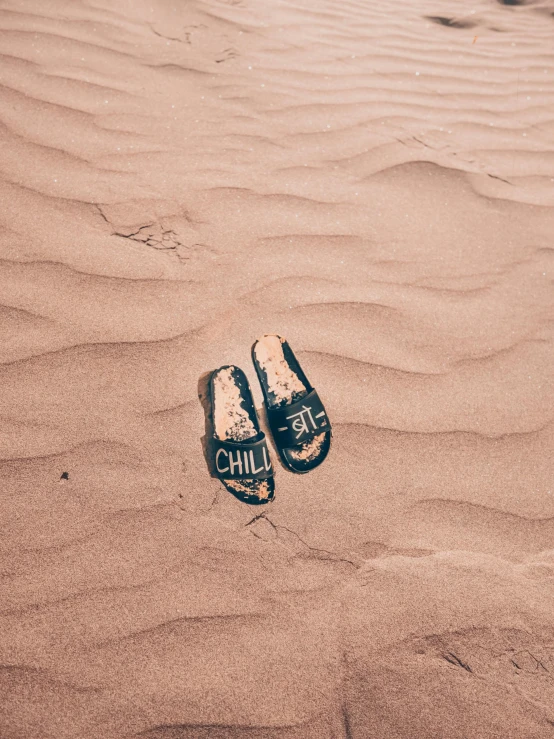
(241, 455)
(296, 416)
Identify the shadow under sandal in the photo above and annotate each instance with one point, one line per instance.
(298, 421)
(241, 456)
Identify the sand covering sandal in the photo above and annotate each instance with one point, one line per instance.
(241, 456)
(298, 420)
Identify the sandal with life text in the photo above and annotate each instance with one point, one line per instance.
(296, 416)
(241, 455)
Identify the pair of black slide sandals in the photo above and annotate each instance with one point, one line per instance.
(296, 416)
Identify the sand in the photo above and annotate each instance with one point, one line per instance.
(372, 181)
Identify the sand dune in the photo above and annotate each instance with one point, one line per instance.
(372, 181)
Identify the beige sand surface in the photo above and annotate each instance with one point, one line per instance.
(375, 182)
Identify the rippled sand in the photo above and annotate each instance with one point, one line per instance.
(373, 181)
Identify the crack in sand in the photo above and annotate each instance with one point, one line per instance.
(163, 239)
(456, 661)
(332, 556)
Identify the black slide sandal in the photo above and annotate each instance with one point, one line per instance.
(298, 421)
(240, 454)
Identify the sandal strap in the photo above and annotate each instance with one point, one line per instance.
(296, 423)
(243, 460)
